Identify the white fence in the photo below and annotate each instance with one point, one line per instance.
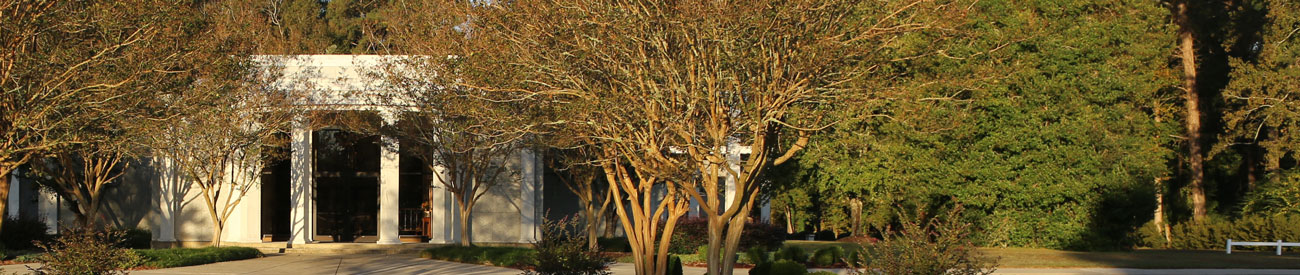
(1279, 244)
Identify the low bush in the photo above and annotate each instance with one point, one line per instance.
(82, 251)
(136, 238)
(497, 256)
(925, 245)
(828, 256)
(1212, 233)
(561, 251)
(792, 253)
(787, 267)
(618, 244)
(694, 232)
(23, 234)
(176, 257)
(756, 255)
(674, 265)
(763, 268)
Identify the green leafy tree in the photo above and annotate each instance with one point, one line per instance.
(1048, 120)
(1263, 113)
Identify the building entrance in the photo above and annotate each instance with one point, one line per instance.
(347, 186)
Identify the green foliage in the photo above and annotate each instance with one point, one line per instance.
(617, 244)
(1047, 119)
(561, 251)
(763, 268)
(925, 245)
(823, 272)
(1261, 114)
(792, 253)
(757, 255)
(497, 256)
(692, 233)
(23, 233)
(787, 267)
(828, 256)
(674, 265)
(1214, 233)
(82, 251)
(177, 257)
(136, 238)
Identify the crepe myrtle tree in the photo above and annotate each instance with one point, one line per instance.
(581, 174)
(62, 62)
(224, 132)
(464, 134)
(676, 90)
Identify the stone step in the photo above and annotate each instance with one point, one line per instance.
(339, 248)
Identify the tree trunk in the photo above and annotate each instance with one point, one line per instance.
(1187, 45)
(593, 229)
(789, 221)
(216, 234)
(1160, 211)
(855, 216)
(732, 245)
(466, 227)
(4, 193)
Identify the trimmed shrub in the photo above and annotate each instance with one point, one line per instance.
(674, 265)
(792, 253)
(81, 251)
(828, 256)
(757, 255)
(498, 256)
(136, 238)
(23, 234)
(763, 268)
(786, 267)
(561, 251)
(177, 257)
(694, 232)
(618, 244)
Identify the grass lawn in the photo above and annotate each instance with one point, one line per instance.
(177, 257)
(1141, 258)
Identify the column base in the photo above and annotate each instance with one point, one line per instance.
(393, 241)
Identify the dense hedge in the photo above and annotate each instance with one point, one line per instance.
(175, 257)
(18, 234)
(497, 256)
(692, 233)
(1214, 233)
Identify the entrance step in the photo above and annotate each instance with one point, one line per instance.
(339, 248)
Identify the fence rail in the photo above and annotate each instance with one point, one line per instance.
(1279, 244)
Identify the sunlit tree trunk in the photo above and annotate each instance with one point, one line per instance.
(1195, 158)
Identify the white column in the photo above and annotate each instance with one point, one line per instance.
(169, 187)
(301, 229)
(388, 191)
(15, 195)
(528, 219)
(438, 207)
(49, 210)
(695, 208)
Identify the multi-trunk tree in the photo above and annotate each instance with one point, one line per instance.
(61, 62)
(686, 95)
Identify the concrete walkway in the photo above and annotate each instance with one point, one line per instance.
(410, 264)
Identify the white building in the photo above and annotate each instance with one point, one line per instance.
(336, 186)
